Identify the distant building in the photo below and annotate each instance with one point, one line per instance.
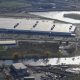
(19, 70)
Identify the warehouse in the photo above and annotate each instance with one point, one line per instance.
(34, 28)
(18, 70)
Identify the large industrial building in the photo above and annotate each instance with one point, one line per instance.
(34, 37)
(12, 28)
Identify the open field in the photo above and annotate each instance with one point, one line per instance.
(73, 16)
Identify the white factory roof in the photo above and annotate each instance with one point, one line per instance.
(36, 25)
(7, 42)
(19, 66)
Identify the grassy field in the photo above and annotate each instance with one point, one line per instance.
(73, 16)
(32, 50)
(14, 4)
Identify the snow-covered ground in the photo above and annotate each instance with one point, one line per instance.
(59, 15)
(51, 61)
(56, 61)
